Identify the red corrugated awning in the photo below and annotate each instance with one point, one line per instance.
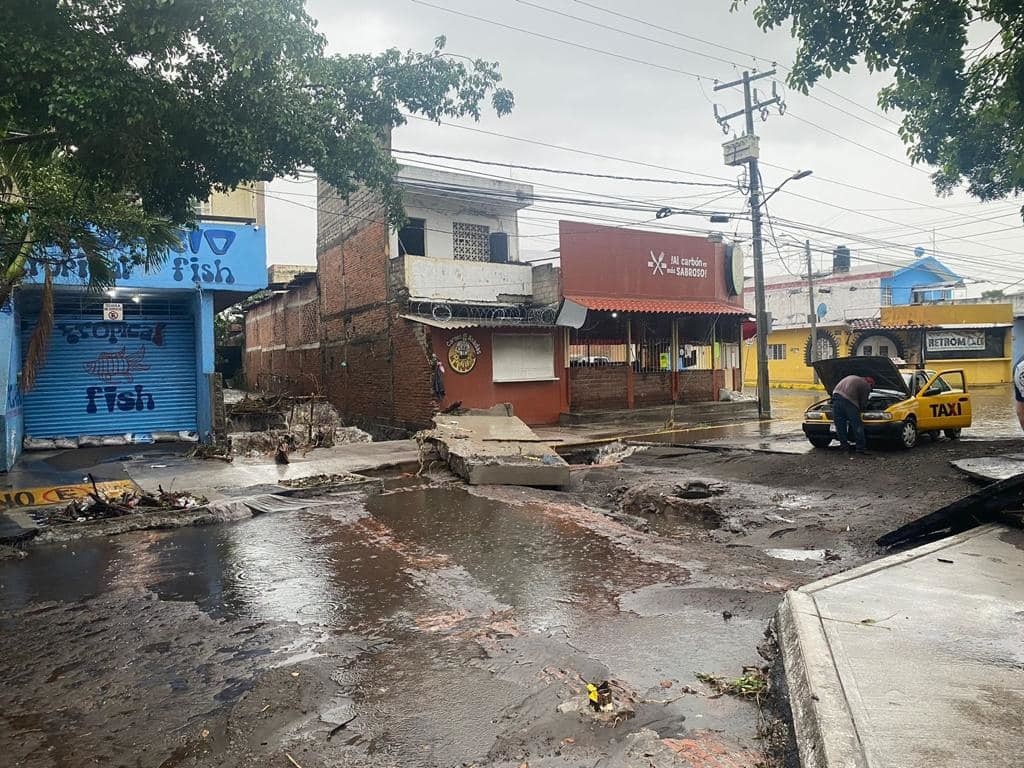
(668, 306)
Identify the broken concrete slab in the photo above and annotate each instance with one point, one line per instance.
(992, 469)
(494, 448)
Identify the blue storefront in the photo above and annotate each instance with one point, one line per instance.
(135, 372)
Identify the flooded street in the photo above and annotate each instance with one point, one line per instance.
(430, 625)
(450, 626)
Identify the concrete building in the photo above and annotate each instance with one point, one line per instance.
(852, 308)
(135, 364)
(395, 324)
(652, 318)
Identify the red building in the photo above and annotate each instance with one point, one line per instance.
(653, 318)
(395, 325)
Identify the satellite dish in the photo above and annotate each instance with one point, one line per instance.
(919, 252)
(822, 311)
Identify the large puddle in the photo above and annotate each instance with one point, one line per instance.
(476, 602)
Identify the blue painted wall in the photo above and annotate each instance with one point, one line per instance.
(926, 271)
(11, 422)
(205, 361)
(217, 257)
(1018, 338)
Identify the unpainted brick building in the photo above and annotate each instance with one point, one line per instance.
(395, 325)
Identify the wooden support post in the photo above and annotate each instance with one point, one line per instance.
(630, 401)
(674, 367)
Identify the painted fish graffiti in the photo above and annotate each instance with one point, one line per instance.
(117, 366)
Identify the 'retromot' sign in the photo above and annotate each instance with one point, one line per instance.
(954, 341)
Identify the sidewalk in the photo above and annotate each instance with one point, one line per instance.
(211, 478)
(913, 661)
(55, 478)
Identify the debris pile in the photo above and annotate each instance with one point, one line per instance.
(219, 449)
(260, 424)
(752, 684)
(98, 505)
(687, 501)
(316, 481)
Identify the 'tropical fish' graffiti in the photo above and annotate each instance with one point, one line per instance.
(119, 366)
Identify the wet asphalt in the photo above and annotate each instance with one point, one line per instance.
(473, 619)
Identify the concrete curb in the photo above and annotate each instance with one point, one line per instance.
(825, 733)
(823, 720)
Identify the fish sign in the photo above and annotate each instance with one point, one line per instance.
(117, 367)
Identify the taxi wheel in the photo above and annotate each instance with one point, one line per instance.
(908, 433)
(820, 441)
(953, 434)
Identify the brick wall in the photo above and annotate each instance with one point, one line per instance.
(282, 336)
(697, 386)
(377, 372)
(376, 365)
(546, 288)
(598, 388)
(654, 388)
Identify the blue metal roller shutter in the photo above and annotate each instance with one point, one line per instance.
(114, 378)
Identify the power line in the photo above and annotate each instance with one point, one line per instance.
(554, 39)
(708, 56)
(561, 170)
(737, 51)
(641, 163)
(656, 66)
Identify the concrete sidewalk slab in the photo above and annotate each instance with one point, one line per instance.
(495, 448)
(992, 469)
(211, 478)
(913, 661)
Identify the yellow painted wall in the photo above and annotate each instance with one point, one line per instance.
(246, 202)
(946, 314)
(794, 373)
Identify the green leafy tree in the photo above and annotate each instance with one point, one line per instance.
(116, 115)
(963, 104)
(174, 98)
(49, 213)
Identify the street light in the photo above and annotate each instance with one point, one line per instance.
(764, 404)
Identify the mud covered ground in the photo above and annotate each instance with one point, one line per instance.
(430, 626)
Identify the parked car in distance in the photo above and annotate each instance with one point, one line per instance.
(592, 360)
(902, 406)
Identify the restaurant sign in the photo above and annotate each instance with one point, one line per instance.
(953, 341)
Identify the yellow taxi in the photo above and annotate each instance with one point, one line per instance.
(903, 405)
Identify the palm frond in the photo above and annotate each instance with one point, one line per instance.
(40, 341)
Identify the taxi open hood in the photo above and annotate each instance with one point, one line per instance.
(881, 369)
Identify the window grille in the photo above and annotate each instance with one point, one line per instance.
(471, 242)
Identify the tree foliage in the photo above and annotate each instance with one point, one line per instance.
(49, 213)
(170, 99)
(963, 105)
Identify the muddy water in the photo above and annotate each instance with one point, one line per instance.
(993, 418)
(473, 621)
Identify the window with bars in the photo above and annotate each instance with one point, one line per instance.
(887, 297)
(471, 242)
(776, 351)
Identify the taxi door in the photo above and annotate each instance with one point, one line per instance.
(944, 403)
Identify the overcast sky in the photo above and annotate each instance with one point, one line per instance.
(650, 113)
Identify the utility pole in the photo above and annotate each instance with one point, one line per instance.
(812, 317)
(746, 152)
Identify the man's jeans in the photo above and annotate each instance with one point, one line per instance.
(849, 426)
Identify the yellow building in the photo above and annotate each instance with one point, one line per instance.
(246, 202)
(974, 337)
